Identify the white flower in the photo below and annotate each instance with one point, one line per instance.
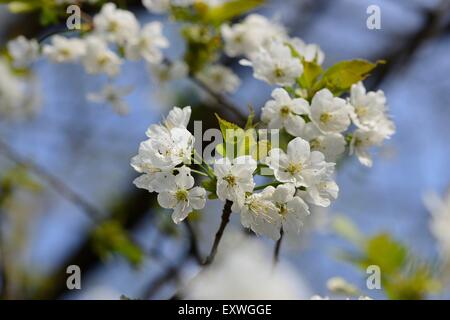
(291, 208)
(297, 165)
(309, 52)
(23, 51)
(178, 118)
(99, 58)
(338, 285)
(112, 95)
(220, 79)
(321, 187)
(147, 44)
(183, 197)
(159, 155)
(64, 49)
(157, 6)
(275, 65)
(370, 116)
(259, 214)
(242, 270)
(164, 72)
(284, 112)
(330, 114)
(369, 107)
(174, 145)
(164, 150)
(247, 37)
(317, 297)
(440, 221)
(363, 140)
(234, 178)
(116, 25)
(332, 145)
(157, 171)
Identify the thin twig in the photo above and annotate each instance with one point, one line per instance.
(58, 185)
(276, 253)
(225, 219)
(221, 99)
(193, 248)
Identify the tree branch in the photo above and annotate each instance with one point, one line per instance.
(276, 253)
(225, 219)
(58, 185)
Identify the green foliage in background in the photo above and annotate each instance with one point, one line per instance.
(403, 275)
(110, 238)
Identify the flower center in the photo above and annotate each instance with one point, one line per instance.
(285, 111)
(102, 60)
(315, 144)
(325, 117)
(181, 195)
(361, 111)
(113, 26)
(283, 210)
(278, 72)
(231, 180)
(294, 168)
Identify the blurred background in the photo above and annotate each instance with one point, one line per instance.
(89, 147)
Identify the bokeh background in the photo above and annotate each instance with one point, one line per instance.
(89, 147)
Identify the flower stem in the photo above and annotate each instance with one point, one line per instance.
(225, 219)
(200, 173)
(276, 253)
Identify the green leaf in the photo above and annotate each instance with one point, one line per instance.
(413, 286)
(387, 253)
(229, 10)
(225, 126)
(340, 77)
(311, 72)
(110, 238)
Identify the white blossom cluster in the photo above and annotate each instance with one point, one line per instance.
(161, 160)
(242, 272)
(323, 122)
(116, 36)
(319, 128)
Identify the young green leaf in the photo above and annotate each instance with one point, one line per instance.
(229, 10)
(340, 77)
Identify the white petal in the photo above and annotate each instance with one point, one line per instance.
(167, 200)
(298, 150)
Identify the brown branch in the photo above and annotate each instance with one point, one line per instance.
(58, 185)
(276, 253)
(404, 54)
(225, 219)
(221, 99)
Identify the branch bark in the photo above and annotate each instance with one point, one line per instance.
(225, 219)
(276, 253)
